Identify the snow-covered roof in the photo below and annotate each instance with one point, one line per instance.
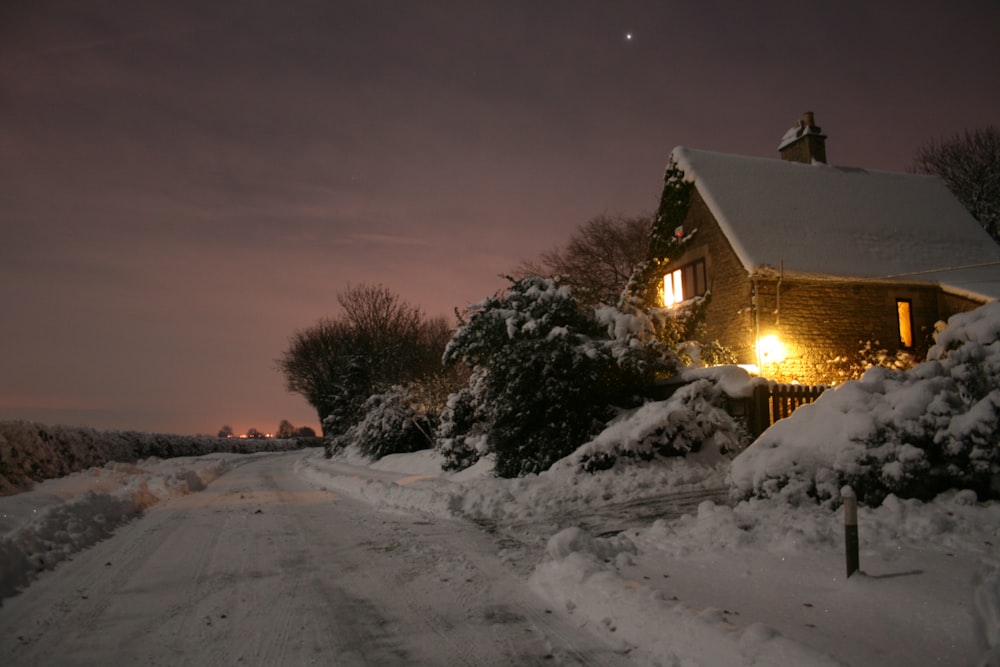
(844, 222)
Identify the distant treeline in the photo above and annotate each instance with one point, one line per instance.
(31, 452)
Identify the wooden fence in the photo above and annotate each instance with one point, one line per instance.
(773, 401)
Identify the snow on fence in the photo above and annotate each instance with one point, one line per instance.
(772, 401)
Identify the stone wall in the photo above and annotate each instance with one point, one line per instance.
(821, 320)
(728, 318)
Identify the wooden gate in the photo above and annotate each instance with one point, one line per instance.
(773, 401)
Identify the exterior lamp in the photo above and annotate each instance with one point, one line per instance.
(770, 350)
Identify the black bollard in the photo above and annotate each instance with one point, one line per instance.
(851, 542)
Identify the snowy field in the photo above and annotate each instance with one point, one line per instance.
(761, 583)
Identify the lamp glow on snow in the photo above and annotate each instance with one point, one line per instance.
(770, 350)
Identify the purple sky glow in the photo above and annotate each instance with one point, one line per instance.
(183, 184)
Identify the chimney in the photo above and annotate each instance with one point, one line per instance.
(805, 142)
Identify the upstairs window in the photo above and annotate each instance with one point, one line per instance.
(684, 283)
(904, 312)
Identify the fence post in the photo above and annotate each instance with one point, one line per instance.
(851, 543)
(761, 411)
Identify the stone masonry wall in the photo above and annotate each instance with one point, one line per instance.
(818, 320)
(821, 320)
(728, 316)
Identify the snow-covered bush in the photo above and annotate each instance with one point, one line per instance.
(851, 367)
(392, 423)
(913, 433)
(552, 371)
(343, 401)
(461, 435)
(692, 419)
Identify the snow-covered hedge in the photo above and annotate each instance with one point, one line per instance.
(912, 433)
(31, 452)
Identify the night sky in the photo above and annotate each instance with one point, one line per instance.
(183, 184)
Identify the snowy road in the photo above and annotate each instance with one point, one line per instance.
(263, 569)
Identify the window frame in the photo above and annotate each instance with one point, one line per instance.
(690, 280)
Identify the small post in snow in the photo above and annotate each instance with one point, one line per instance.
(851, 543)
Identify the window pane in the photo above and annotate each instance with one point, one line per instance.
(684, 283)
(688, 273)
(673, 288)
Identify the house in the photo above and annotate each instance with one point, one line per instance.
(807, 262)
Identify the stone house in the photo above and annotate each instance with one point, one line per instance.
(806, 262)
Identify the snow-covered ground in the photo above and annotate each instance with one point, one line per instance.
(651, 557)
(761, 583)
(58, 517)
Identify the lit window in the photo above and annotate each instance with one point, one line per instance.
(905, 315)
(673, 288)
(684, 283)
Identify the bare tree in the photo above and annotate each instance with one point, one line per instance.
(598, 259)
(285, 429)
(319, 365)
(387, 331)
(226, 431)
(434, 336)
(969, 164)
(378, 341)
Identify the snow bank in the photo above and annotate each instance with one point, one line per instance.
(31, 452)
(556, 495)
(582, 576)
(758, 583)
(912, 433)
(59, 517)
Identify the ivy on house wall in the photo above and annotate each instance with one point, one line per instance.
(668, 240)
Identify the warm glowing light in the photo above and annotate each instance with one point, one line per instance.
(770, 350)
(905, 323)
(673, 288)
(628, 36)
